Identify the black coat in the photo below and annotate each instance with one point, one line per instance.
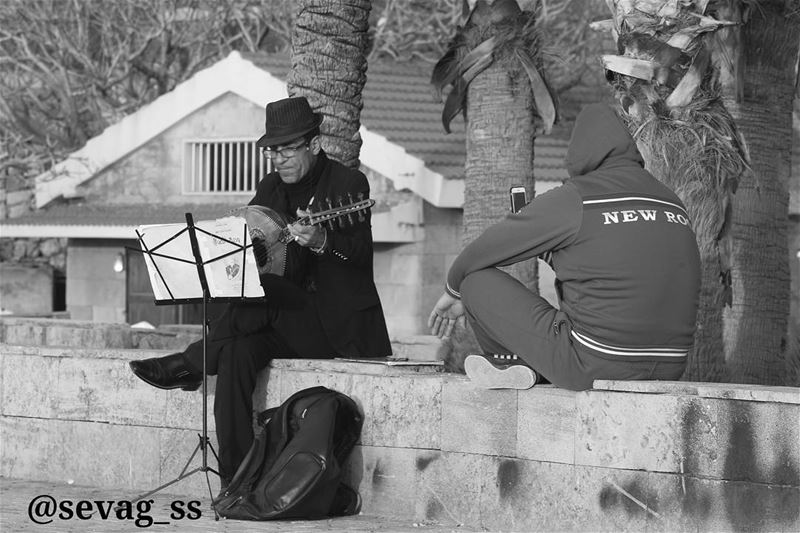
(340, 281)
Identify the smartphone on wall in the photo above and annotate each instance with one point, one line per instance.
(518, 197)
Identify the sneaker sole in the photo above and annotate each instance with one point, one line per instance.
(485, 375)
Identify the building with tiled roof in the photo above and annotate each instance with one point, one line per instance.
(160, 162)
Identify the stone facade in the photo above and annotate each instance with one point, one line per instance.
(95, 291)
(154, 171)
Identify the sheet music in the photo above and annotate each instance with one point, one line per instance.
(224, 275)
(179, 271)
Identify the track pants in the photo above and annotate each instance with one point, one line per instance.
(507, 318)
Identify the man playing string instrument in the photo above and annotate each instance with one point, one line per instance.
(326, 305)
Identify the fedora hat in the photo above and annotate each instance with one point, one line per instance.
(287, 120)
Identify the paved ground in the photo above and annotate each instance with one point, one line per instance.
(19, 499)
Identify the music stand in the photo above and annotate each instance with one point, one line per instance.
(171, 298)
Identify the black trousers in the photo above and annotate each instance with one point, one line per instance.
(242, 342)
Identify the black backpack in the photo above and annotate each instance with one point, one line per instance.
(294, 467)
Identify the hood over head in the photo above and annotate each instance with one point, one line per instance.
(599, 138)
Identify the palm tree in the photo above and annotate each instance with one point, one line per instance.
(759, 93)
(676, 58)
(329, 45)
(493, 68)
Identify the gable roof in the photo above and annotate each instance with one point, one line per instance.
(401, 130)
(395, 223)
(399, 105)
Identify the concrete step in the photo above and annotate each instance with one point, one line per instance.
(87, 334)
(625, 456)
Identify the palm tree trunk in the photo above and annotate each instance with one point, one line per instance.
(756, 324)
(507, 104)
(329, 65)
(500, 135)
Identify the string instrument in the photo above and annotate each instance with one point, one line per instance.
(269, 230)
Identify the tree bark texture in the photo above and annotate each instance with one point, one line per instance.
(329, 67)
(688, 139)
(756, 324)
(500, 136)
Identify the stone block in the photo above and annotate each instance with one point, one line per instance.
(398, 300)
(382, 266)
(30, 334)
(406, 270)
(404, 411)
(522, 495)
(719, 439)
(685, 503)
(433, 269)
(30, 384)
(184, 409)
(80, 312)
(478, 420)
(177, 449)
(23, 451)
(87, 453)
(546, 425)
(449, 486)
(105, 390)
(385, 478)
(610, 500)
(106, 313)
(89, 336)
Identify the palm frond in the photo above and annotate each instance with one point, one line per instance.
(490, 31)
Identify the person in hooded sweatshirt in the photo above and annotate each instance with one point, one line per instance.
(627, 271)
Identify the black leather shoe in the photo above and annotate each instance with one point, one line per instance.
(169, 372)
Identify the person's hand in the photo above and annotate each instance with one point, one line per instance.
(447, 312)
(307, 236)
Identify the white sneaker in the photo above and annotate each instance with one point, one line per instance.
(499, 372)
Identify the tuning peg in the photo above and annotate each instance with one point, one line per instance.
(330, 206)
(350, 215)
(361, 217)
(340, 205)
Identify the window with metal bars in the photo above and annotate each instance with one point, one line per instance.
(219, 166)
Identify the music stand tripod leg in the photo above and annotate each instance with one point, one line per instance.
(204, 442)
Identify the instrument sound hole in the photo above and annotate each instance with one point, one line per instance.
(260, 251)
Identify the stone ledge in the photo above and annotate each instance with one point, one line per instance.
(28, 331)
(435, 446)
(725, 391)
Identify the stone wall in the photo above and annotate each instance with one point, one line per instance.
(625, 456)
(16, 196)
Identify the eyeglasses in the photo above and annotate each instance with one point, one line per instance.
(271, 152)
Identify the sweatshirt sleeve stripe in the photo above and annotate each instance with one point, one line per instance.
(632, 199)
(452, 292)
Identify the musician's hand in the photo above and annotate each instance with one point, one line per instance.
(307, 236)
(446, 314)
